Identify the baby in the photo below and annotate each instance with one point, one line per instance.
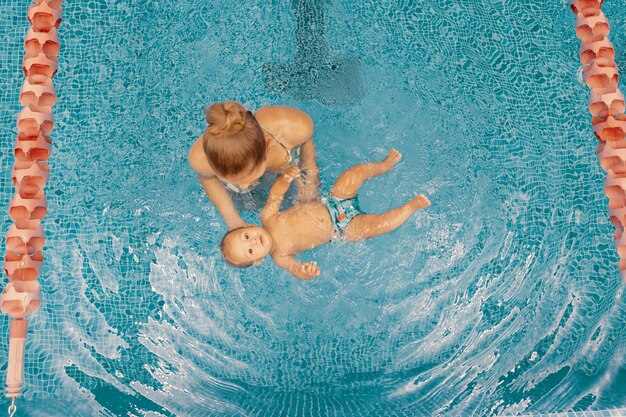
(307, 225)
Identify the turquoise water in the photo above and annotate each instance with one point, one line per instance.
(501, 298)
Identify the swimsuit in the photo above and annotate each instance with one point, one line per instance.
(342, 211)
(294, 159)
(293, 153)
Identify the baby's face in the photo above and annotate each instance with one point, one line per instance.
(249, 244)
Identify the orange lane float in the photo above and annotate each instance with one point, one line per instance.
(586, 8)
(606, 106)
(38, 68)
(45, 15)
(610, 130)
(32, 148)
(39, 97)
(592, 28)
(23, 258)
(602, 104)
(30, 122)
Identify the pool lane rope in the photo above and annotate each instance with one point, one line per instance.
(25, 238)
(606, 106)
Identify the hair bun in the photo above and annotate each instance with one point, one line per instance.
(226, 118)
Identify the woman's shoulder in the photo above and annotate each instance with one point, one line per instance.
(197, 159)
(291, 125)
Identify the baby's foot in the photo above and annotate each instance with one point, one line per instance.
(392, 158)
(419, 202)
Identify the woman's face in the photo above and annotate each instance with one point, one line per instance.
(247, 178)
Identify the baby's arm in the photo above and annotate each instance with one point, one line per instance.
(277, 193)
(305, 270)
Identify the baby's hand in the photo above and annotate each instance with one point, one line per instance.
(310, 270)
(291, 173)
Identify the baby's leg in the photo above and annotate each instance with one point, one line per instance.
(365, 226)
(348, 183)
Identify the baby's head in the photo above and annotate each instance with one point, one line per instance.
(234, 144)
(246, 246)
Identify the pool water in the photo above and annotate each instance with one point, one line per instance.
(501, 298)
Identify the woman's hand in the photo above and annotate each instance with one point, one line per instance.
(218, 195)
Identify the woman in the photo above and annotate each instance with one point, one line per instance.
(238, 147)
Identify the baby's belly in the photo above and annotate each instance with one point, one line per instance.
(315, 228)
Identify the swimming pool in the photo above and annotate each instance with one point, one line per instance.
(503, 297)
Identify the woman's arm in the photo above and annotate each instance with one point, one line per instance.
(308, 186)
(296, 128)
(213, 188)
(219, 196)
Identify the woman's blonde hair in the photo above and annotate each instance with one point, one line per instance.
(233, 141)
